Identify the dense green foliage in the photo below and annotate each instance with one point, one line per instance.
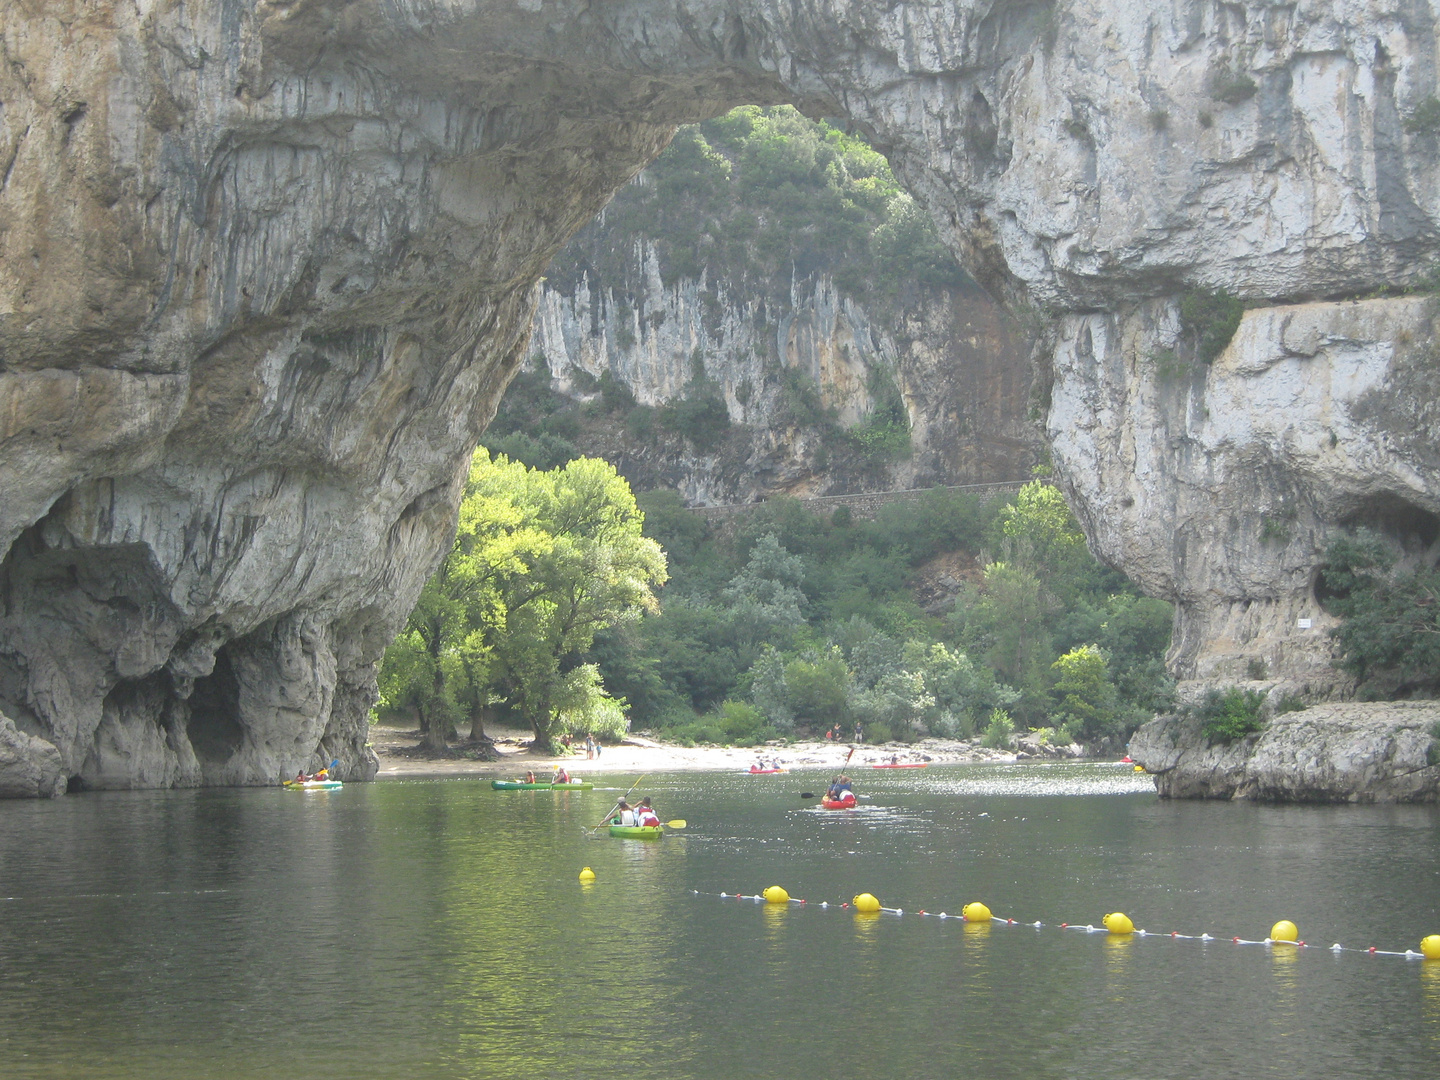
(1231, 713)
(798, 621)
(761, 196)
(1389, 633)
(1209, 321)
(541, 562)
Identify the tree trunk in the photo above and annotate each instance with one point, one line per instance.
(477, 732)
(542, 722)
(435, 726)
(477, 724)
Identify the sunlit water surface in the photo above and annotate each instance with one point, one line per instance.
(437, 929)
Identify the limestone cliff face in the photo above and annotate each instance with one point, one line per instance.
(1343, 752)
(265, 267)
(963, 375)
(1218, 485)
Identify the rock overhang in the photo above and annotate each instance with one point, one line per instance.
(321, 223)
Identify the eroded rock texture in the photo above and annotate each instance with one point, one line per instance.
(266, 265)
(1336, 752)
(961, 368)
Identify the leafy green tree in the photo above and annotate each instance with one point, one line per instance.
(817, 687)
(541, 562)
(765, 597)
(597, 569)
(1084, 697)
(1008, 626)
(1040, 534)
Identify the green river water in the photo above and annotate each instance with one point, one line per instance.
(437, 929)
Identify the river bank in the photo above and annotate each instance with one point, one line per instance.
(399, 757)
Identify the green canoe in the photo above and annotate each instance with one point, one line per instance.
(520, 785)
(637, 832)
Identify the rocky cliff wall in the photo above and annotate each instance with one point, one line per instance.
(962, 371)
(1358, 752)
(1220, 484)
(265, 267)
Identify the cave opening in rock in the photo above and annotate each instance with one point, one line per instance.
(214, 726)
(1411, 529)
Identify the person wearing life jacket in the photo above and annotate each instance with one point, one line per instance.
(645, 815)
(626, 814)
(561, 776)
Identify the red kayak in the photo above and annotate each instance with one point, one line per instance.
(846, 802)
(901, 765)
(763, 772)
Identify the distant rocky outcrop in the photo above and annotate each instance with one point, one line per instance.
(960, 368)
(1358, 752)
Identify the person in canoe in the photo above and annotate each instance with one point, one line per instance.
(894, 759)
(839, 787)
(528, 778)
(561, 776)
(626, 815)
(300, 778)
(644, 815)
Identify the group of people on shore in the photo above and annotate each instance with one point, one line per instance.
(641, 815)
(592, 746)
(836, 733)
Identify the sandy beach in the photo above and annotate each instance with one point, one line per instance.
(637, 753)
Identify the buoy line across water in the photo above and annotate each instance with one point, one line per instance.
(1283, 933)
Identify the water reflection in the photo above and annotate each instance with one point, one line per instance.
(436, 930)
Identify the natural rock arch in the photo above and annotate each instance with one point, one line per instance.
(266, 266)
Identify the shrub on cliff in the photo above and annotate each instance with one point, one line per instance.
(1209, 320)
(1231, 714)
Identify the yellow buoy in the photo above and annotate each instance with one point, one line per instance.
(1117, 922)
(1430, 947)
(587, 874)
(976, 912)
(776, 895)
(1139, 768)
(865, 902)
(1285, 930)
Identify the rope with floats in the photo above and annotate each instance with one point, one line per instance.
(1116, 924)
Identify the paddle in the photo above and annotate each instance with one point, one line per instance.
(678, 823)
(612, 810)
(811, 794)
